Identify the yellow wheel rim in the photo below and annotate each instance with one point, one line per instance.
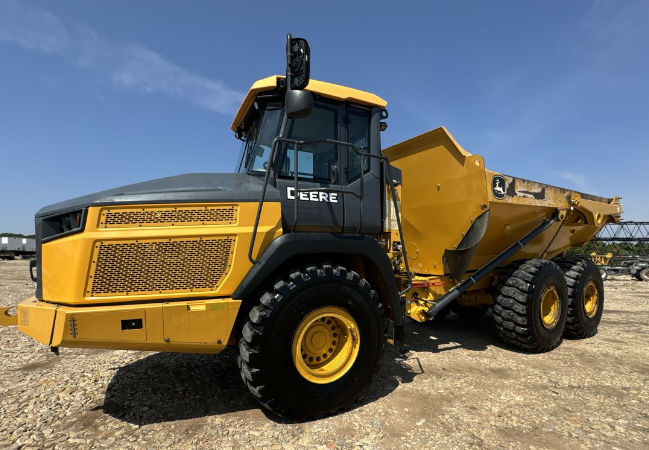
(325, 345)
(591, 299)
(550, 306)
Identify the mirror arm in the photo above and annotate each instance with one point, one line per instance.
(289, 54)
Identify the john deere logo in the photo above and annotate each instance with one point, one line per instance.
(498, 187)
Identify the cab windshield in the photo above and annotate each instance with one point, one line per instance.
(256, 146)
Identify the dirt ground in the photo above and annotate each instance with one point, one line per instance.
(459, 387)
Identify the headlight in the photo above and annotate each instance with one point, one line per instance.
(64, 224)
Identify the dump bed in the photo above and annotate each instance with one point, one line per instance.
(457, 215)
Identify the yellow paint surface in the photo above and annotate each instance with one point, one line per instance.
(193, 326)
(329, 90)
(35, 319)
(445, 189)
(443, 192)
(67, 263)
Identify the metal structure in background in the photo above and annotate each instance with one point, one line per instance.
(625, 240)
(624, 232)
(622, 248)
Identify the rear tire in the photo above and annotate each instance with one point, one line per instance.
(585, 297)
(289, 329)
(531, 305)
(643, 275)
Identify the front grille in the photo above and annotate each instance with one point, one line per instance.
(159, 266)
(167, 216)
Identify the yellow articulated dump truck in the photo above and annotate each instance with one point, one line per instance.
(316, 251)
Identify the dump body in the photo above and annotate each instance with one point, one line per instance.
(457, 215)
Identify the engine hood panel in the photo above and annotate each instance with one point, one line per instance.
(192, 187)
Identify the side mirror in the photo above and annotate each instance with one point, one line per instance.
(298, 104)
(298, 62)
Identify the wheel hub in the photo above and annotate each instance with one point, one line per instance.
(591, 299)
(325, 345)
(550, 307)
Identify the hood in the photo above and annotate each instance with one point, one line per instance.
(188, 188)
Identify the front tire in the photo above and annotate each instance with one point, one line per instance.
(314, 343)
(531, 305)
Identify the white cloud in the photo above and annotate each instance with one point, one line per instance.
(606, 46)
(33, 28)
(576, 179)
(131, 67)
(147, 71)
(618, 25)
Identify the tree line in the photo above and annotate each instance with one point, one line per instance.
(617, 248)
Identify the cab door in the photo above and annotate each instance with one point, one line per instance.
(361, 127)
(318, 166)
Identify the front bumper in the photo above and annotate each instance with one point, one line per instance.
(200, 326)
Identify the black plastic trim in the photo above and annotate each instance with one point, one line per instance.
(188, 188)
(79, 229)
(294, 244)
(457, 261)
(32, 266)
(132, 324)
(38, 230)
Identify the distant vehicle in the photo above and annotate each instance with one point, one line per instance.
(13, 247)
(628, 238)
(637, 267)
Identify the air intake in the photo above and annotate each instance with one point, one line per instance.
(167, 216)
(159, 266)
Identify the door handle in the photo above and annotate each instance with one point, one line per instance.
(334, 174)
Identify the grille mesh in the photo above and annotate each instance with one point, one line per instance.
(167, 216)
(159, 266)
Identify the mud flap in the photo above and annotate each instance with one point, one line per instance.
(457, 261)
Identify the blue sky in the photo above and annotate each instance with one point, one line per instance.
(95, 95)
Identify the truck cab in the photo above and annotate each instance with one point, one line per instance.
(338, 114)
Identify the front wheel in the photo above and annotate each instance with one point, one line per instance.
(643, 275)
(314, 343)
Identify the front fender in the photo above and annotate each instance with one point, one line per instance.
(294, 244)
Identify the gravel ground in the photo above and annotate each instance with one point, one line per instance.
(459, 387)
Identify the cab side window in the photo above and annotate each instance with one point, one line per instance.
(314, 160)
(358, 132)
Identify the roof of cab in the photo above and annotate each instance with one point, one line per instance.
(323, 88)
